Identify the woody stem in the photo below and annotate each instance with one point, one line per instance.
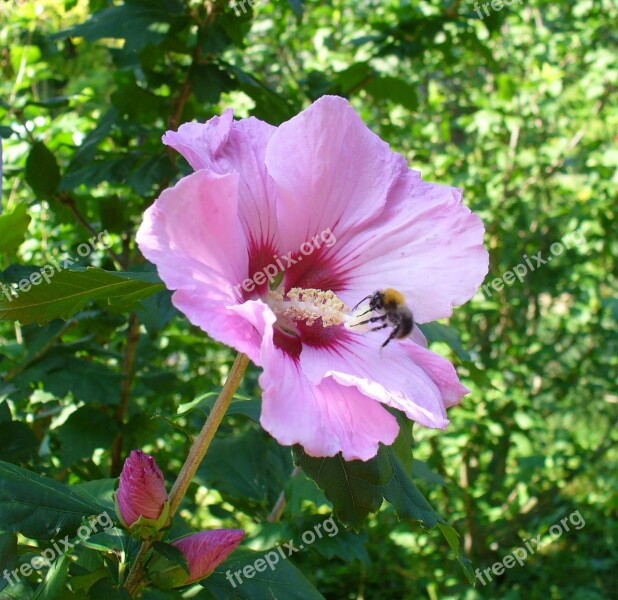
(135, 579)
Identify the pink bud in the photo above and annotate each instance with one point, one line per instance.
(141, 492)
(206, 550)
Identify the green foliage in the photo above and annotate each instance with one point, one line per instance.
(518, 108)
(69, 291)
(13, 227)
(40, 507)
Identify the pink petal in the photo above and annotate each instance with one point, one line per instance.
(141, 491)
(407, 376)
(331, 171)
(326, 418)
(427, 244)
(223, 146)
(201, 143)
(193, 235)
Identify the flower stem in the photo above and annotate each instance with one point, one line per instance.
(135, 579)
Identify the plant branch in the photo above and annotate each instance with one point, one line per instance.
(277, 511)
(198, 450)
(128, 370)
(69, 202)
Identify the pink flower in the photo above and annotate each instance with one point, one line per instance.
(324, 200)
(141, 492)
(206, 550)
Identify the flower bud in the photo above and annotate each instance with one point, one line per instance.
(141, 500)
(203, 551)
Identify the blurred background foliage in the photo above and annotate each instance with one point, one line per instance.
(519, 108)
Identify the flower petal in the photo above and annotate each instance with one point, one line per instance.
(141, 491)
(326, 418)
(405, 376)
(427, 244)
(193, 235)
(201, 143)
(330, 170)
(223, 146)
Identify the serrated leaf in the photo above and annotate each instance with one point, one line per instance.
(357, 488)
(69, 291)
(40, 507)
(452, 537)
(42, 171)
(352, 486)
(13, 228)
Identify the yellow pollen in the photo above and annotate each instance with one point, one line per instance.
(309, 305)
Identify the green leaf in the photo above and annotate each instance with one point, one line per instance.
(240, 406)
(42, 171)
(352, 486)
(452, 537)
(208, 82)
(17, 442)
(89, 381)
(133, 22)
(298, 8)
(269, 105)
(13, 228)
(283, 582)
(88, 149)
(357, 488)
(248, 469)
(52, 588)
(394, 89)
(8, 554)
(406, 498)
(167, 567)
(98, 491)
(86, 430)
(172, 554)
(69, 291)
(438, 332)
(40, 507)
(422, 471)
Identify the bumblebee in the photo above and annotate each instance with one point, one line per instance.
(391, 304)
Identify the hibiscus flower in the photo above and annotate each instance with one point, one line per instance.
(323, 202)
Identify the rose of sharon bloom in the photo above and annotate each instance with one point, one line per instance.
(141, 491)
(206, 550)
(327, 201)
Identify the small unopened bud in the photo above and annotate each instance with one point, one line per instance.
(203, 551)
(141, 500)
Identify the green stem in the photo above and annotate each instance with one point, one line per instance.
(135, 579)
